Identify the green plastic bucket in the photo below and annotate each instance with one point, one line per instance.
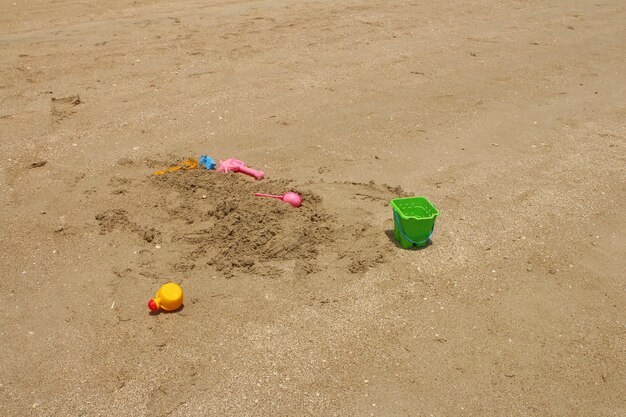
(413, 221)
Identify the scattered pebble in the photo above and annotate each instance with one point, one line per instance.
(38, 164)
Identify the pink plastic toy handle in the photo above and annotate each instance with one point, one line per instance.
(280, 197)
(253, 172)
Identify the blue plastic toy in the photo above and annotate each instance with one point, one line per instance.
(207, 161)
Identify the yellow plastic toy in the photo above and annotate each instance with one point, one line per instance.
(168, 298)
(190, 163)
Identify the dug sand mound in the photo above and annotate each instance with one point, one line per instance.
(209, 222)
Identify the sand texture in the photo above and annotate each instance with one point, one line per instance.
(508, 115)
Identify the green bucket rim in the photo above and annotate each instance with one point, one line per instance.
(398, 209)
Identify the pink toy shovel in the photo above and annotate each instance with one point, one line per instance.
(291, 198)
(235, 165)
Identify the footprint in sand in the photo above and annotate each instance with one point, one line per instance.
(64, 107)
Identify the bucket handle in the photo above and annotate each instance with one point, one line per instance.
(395, 213)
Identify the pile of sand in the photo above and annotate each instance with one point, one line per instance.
(212, 220)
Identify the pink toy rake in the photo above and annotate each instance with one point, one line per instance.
(235, 165)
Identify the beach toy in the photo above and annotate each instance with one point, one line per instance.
(291, 198)
(168, 298)
(235, 165)
(207, 161)
(413, 221)
(185, 165)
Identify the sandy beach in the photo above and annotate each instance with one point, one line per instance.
(508, 115)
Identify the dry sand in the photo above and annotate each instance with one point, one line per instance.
(508, 115)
